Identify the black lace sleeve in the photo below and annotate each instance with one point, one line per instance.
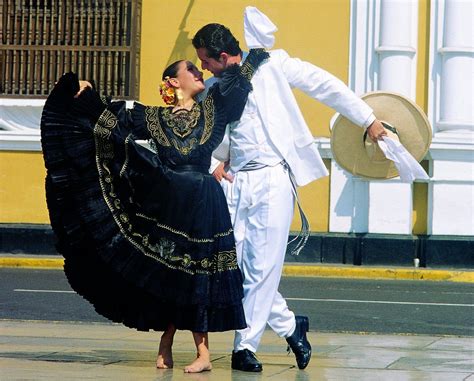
(63, 98)
(88, 109)
(141, 121)
(103, 113)
(89, 104)
(62, 95)
(239, 76)
(232, 90)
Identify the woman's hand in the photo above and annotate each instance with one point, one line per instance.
(82, 86)
(220, 173)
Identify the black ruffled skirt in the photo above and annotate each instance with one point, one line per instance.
(148, 246)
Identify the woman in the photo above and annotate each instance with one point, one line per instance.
(147, 236)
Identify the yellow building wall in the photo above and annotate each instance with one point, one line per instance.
(22, 194)
(315, 31)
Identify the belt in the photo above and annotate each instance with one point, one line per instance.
(190, 168)
(252, 166)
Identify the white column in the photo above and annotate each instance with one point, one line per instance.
(383, 57)
(397, 47)
(390, 202)
(457, 67)
(451, 191)
(348, 209)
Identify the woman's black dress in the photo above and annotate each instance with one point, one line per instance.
(146, 235)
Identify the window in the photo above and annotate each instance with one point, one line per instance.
(41, 39)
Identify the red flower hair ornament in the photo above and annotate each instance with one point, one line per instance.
(167, 92)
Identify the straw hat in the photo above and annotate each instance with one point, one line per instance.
(403, 120)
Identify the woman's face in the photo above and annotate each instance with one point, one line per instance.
(190, 78)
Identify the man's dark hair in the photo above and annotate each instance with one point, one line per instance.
(216, 39)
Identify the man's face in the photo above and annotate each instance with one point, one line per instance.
(216, 67)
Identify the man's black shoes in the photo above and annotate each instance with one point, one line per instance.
(299, 343)
(246, 361)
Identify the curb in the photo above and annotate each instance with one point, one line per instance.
(32, 262)
(306, 270)
(395, 273)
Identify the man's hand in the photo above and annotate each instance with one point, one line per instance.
(220, 173)
(82, 86)
(376, 131)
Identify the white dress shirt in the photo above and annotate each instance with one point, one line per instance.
(249, 141)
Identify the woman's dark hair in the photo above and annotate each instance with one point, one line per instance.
(172, 70)
(216, 39)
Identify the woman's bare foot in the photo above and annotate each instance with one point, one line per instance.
(165, 353)
(164, 359)
(201, 364)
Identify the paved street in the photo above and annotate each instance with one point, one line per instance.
(47, 332)
(333, 305)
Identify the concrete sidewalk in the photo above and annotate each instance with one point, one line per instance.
(39, 350)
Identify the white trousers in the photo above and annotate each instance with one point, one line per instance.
(261, 204)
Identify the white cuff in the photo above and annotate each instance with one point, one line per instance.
(369, 121)
(214, 164)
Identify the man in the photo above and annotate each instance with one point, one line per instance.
(268, 146)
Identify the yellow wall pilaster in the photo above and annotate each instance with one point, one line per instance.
(420, 190)
(22, 194)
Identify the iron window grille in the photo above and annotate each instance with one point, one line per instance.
(41, 39)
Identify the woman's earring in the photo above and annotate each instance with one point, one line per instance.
(179, 96)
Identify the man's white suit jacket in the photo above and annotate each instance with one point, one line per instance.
(282, 118)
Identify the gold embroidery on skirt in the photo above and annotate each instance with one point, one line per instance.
(183, 234)
(127, 155)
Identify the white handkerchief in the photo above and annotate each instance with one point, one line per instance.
(408, 168)
(258, 29)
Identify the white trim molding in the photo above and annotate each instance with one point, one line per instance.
(20, 141)
(20, 114)
(20, 124)
(324, 147)
(20, 120)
